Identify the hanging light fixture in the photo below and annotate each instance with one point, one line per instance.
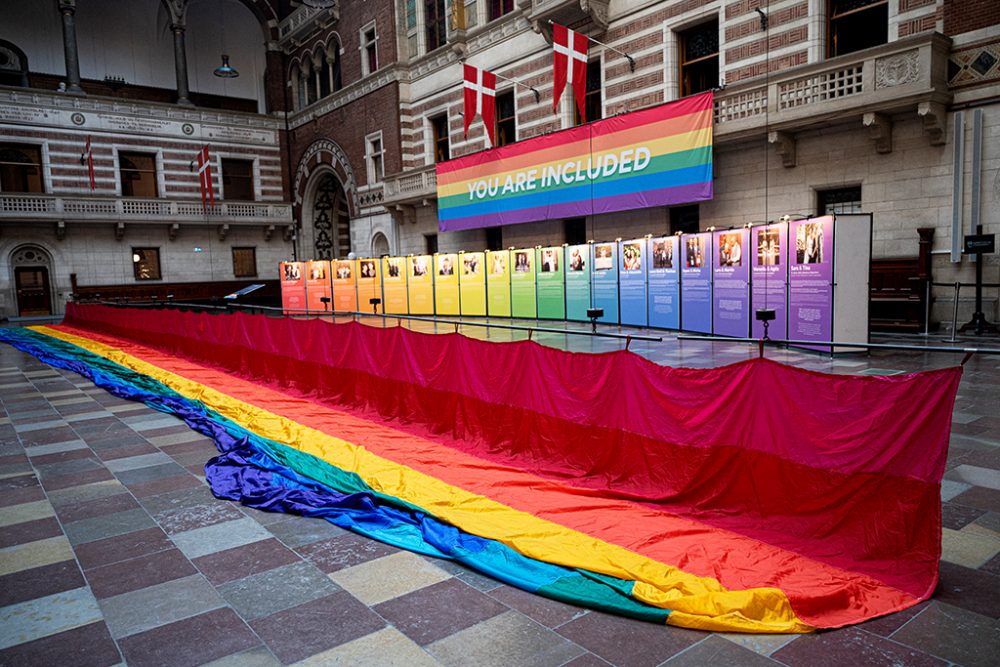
(319, 4)
(224, 71)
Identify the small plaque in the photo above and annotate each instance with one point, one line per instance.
(980, 244)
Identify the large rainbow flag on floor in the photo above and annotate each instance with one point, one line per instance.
(753, 497)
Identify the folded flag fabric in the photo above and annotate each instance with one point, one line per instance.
(753, 497)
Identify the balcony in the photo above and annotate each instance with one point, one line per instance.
(411, 187)
(581, 14)
(33, 207)
(905, 76)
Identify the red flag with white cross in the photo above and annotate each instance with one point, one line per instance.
(569, 54)
(480, 89)
(205, 176)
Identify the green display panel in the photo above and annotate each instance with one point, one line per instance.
(472, 282)
(577, 282)
(498, 283)
(523, 299)
(551, 283)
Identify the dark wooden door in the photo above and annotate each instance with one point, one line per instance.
(33, 298)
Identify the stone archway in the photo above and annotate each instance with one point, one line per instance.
(31, 275)
(331, 219)
(380, 245)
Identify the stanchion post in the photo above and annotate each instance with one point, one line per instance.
(927, 310)
(954, 313)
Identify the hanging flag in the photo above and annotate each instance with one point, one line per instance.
(88, 155)
(205, 176)
(480, 98)
(569, 55)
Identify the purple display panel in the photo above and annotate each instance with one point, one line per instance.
(810, 279)
(696, 282)
(731, 283)
(769, 278)
(664, 282)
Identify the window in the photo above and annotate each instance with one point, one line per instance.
(494, 238)
(684, 219)
(506, 129)
(335, 71)
(431, 243)
(369, 50)
(471, 19)
(436, 23)
(857, 25)
(839, 200)
(237, 179)
(592, 99)
(411, 27)
(498, 8)
(374, 154)
(699, 58)
(245, 262)
(439, 129)
(146, 263)
(576, 230)
(138, 174)
(20, 168)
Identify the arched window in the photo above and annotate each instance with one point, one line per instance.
(13, 65)
(331, 220)
(380, 245)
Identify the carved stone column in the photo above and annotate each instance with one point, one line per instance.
(68, 10)
(180, 65)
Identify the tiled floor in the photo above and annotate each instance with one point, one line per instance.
(112, 550)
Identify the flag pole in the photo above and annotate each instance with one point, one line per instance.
(518, 83)
(631, 60)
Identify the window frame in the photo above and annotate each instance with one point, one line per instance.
(831, 33)
(40, 166)
(683, 35)
(251, 162)
(253, 254)
(825, 204)
(441, 34)
(376, 170)
(157, 171)
(437, 138)
(497, 121)
(141, 252)
(497, 9)
(368, 48)
(589, 94)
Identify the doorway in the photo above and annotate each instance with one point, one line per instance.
(33, 294)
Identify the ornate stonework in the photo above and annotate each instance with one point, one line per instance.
(897, 70)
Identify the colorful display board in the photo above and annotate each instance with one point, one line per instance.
(578, 264)
(523, 298)
(632, 282)
(394, 298)
(696, 283)
(551, 283)
(345, 285)
(731, 283)
(769, 287)
(319, 285)
(446, 295)
(604, 281)
(498, 283)
(293, 286)
(663, 282)
(654, 157)
(810, 279)
(369, 285)
(420, 284)
(472, 283)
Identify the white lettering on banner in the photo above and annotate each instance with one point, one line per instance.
(629, 161)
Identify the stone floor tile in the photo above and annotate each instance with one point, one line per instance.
(147, 608)
(718, 652)
(188, 642)
(387, 647)
(40, 582)
(76, 479)
(165, 485)
(278, 589)
(847, 646)
(34, 554)
(436, 611)
(957, 517)
(210, 539)
(341, 552)
(198, 516)
(975, 590)
(299, 531)
(954, 634)
(172, 440)
(130, 575)
(130, 451)
(622, 641)
(107, 525)
(89, 645)
(40, 617)
(47, 436)
(119, 465)
(57, 447)
(976, 476)
(313, 627)
(255, 657)
(884, 626)
(20, 496)
(966, 548)
(122, 547)
(86, 492)
(59, 457)
(255, 557)
(388, 577)
(507, 639)
(550, 613)
(33, 427)
(119, 502)
(12, 514)
(153, 473)
(29, 531)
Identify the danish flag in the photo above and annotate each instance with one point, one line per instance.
(569, 54)
(480, 98)
(205, 175)
(88, 155)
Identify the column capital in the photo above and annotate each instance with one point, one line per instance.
(67, 6)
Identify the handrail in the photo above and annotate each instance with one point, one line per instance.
(833, 343)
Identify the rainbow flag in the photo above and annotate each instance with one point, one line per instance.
(655, 157)
(753, 497)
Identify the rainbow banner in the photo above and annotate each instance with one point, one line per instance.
(752, 497)
(655, 157)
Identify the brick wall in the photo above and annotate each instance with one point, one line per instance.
(966, 15)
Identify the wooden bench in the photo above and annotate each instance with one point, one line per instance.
(898, 289)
